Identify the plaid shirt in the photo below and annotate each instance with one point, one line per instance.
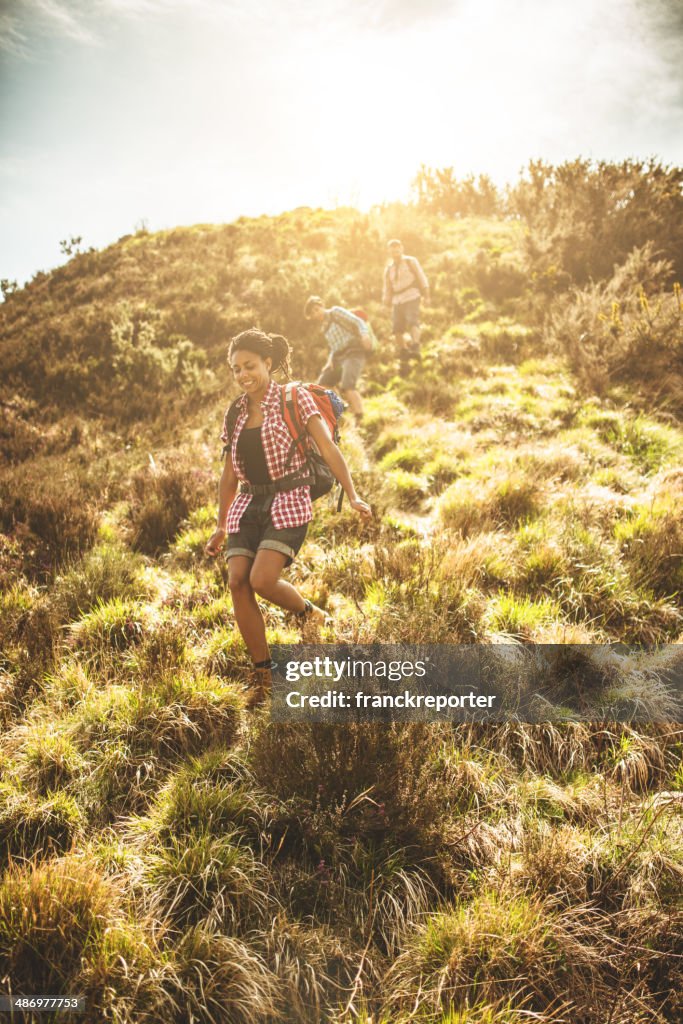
(342, 329)
(289, 508)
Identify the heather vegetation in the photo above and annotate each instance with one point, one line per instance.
(171, 856)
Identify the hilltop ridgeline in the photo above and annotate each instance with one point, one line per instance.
(111, 333)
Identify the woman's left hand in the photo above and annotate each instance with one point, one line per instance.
(360, 506)
(216, 542)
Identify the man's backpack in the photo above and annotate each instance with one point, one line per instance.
(330, 406)
(363, 343)
(362, 315)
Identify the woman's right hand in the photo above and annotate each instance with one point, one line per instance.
(215, 544)
(360, 506)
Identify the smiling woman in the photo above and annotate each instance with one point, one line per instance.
(265, 492)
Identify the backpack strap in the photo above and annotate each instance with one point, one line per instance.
(415, 283)
(292, 417)
(419, 274)
(231, 418)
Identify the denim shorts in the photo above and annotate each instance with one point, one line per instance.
(344, 372)
(257, 533)
(405, 315)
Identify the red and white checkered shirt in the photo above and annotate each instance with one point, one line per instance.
(289, 508)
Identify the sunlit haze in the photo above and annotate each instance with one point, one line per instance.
(121, 112)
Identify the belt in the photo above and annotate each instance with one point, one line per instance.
(285, 483)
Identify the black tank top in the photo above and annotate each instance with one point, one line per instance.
(250, 451)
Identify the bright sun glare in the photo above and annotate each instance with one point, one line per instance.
(178, 112)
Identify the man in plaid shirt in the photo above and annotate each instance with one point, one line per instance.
(348, 339)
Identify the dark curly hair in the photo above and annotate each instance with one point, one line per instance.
(268, 346)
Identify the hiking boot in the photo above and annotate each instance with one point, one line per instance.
(311, 619)
(260, 684)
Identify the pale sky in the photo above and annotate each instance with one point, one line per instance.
(115, 112)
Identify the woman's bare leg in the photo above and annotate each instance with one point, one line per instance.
(247, 612)
(264, 578)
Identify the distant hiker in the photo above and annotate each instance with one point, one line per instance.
(349, 341)
(264, 498)
(404, 285)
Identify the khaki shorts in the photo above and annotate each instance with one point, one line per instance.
(405, 315)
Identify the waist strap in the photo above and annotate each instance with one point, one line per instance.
(286, 483)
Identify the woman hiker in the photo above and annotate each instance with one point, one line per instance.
(265, 530)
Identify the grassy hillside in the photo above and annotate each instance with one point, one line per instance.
(174, 858)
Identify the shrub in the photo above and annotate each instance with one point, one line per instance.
(65, 928)
(55, 506)
(218, 974)
(441, 191)
(210, 793)
(520, 617)
(109, 570)
(409, 489)
(472, 506)
(28, 634)
(31, 827)
(584, 217)
(111, 627)
(162, 499)
(363, 787)
(651, 540)
(145, 363)
(204, 877)
(503, 946)
(623, 329)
